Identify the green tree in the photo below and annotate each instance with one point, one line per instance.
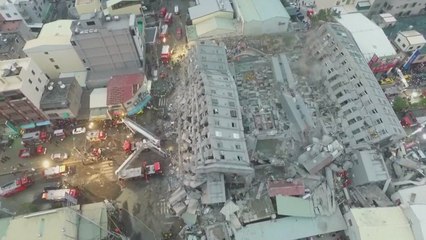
(400, 104)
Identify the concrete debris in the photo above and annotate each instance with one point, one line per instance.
(229, 209)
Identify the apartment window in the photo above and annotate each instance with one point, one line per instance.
(356, 131)
(359, 84)
(352, 121)
(230, 94)
(233, 124)
(414, 4)
(237, 146)
(215, 111)
(56, 66)
(8, 15)
(360, 140)
(90, 23)
(213, 91)
(215, 101)
(219, 145)
(73, 43)
(239, 158)
(398, 39)
(47, 76)
(233, 113)
(403, 45)
(379, 121)
(338, 95)
(217, 123)
(344, 62)
(52, 60)
(405, 5)
(88, 69)
(341, 53)
(39, 80)
(346, 112)
(32, 71)
(231, 104)
(30, 81)
(374, 111)
(84, 61)
(46, 53)
(36, 88)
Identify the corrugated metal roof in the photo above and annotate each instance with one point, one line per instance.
(255, 10)
(294, 206)
(284, 188)
(121, 88)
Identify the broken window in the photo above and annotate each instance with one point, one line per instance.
(233, 113)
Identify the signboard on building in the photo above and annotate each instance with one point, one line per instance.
(411, 59)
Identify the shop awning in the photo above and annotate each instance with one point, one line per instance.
(28, 126)
(140, 106)
(43, 123)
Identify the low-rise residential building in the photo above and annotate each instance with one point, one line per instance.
(33, 12)
(88, 221)
(98, 104)
(378, 223)
(211, 18)
(212, 135)
(372, 41)
(398, 8)
(261, 17)
(61, 99)
(369, 167)
(109, 46)
(52, 49)
(121, 7)
(413, 23)
(366, 114)
(409, 41)
(87, 6)
(128, 94)
(22, 84)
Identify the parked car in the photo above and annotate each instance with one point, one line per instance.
(78, 130)
(59, 156)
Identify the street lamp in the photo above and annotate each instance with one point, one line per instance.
(46, 163)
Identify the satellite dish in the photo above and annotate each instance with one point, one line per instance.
(62, 86)
(50, 88)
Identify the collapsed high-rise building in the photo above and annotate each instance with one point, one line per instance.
(212, 144)
(364, 114)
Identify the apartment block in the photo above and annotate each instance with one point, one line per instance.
(22, 84)
(32, 12)
(398, 8)
(211, 124)
(87, 6)
(120, 7)
(109, 45)
(365, 113)
(52, 49)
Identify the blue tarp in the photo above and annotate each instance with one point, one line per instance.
(140, 106)
(43, 123)
(28, 126)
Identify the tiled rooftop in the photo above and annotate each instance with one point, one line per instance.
(121, 88)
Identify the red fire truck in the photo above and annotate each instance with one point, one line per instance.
(59, 194)
(168, 19)
(55, 172)
(165, 54)
(16, 186)
(34, 138)
(163, 12)
(163, 33)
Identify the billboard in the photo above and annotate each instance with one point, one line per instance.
(411, 59)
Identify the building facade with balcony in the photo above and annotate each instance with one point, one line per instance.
(109, 45)
(366, 115)
(32, 12)
(22, 84)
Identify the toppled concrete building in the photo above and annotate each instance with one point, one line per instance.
(211, 144)
(320, 154)
(368, 167)
(363, 114)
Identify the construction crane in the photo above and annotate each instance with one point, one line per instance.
(134, 127)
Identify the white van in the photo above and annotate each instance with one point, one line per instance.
(176, 9)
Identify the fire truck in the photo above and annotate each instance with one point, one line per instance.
(168, 19)
(55, 172)
(165, 54)
(163, 33)
(34, 138)
(143, 170)
(31, 151)
(16, 186)
(59, 194)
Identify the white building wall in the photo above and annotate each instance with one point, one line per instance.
(270, 26)
(398, 8)
(33, 82)
(403, 43)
